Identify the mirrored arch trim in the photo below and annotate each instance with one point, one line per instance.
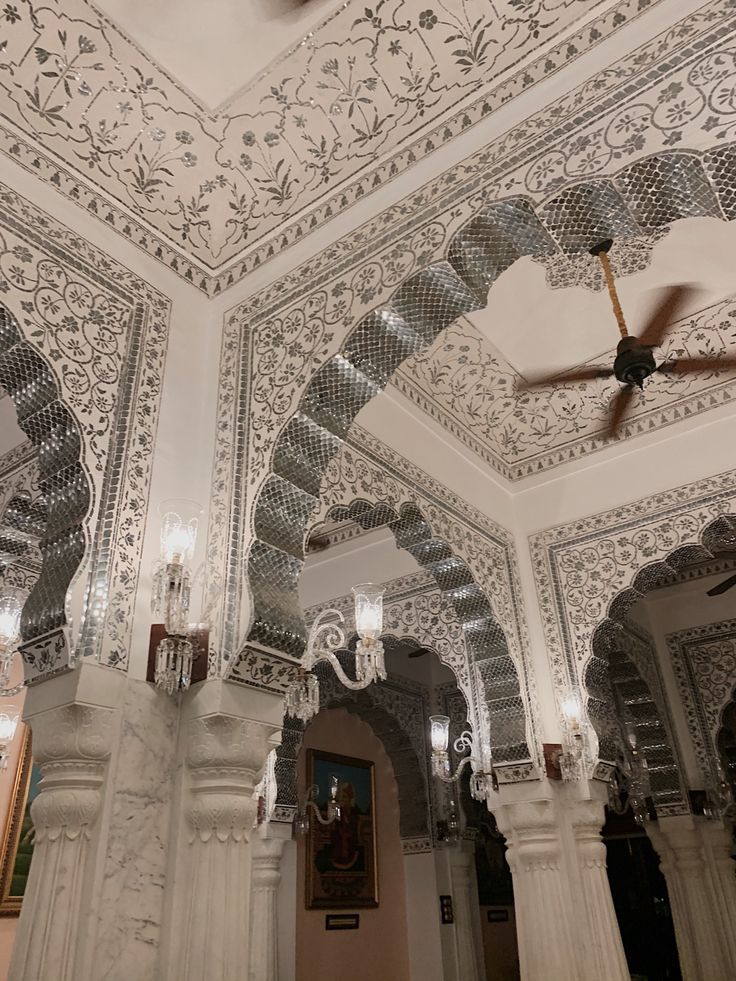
(610, 561)
(460, 548)
(93, 425)
(625, 694)
(64, 483)
(704, 662)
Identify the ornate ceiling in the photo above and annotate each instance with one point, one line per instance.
(549, 315)
(353, 102)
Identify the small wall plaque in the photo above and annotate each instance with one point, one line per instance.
(342, 921)
(552, 753)
(498, 916)
(446, 909)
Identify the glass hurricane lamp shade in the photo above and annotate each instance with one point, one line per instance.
(11, 607)
(439, 737)
(572, 711)
(179, 523)
(9, 718)
(368, 611)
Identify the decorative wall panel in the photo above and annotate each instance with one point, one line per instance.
(704, 660)
(464, 383)
(591, 571)
(209, 186)
(103, 331)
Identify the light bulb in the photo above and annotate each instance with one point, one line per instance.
(439, 732)
(572, 711)
(11, 607)
(368, 611)
(179, 522)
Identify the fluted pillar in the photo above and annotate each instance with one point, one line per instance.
(226, 738)
(72, 740)
(471, 965)
(601, 944)
(721, 869)
(703, 946)
(565, 920)
(543, 894)
(265, 879)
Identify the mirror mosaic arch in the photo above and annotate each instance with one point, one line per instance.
(642, 197)
(625, 693)
(589, 573)
(704, 661)
(471, 559)
(82, 348)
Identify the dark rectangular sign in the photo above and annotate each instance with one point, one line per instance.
(498, 916)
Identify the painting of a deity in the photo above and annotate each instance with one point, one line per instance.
(341, 857)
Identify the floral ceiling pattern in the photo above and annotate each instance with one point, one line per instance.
(211, 184)
(467, 385)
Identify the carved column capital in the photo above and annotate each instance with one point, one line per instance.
(587, 818)
(531, 829)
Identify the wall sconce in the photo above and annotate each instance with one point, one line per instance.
(301, 821)
(574, 759)
(327, 636)
(483, 779)
(9, 718)
(11, 607)
(448, 830)
(171, 594)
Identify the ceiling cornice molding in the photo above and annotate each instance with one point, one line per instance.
(190, 224)
(515, 162)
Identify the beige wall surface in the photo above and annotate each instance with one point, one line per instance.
(378, 949)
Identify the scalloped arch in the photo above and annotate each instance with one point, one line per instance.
(642, 197)
(42, 415)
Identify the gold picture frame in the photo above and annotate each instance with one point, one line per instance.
(341, 862)
(10, 904)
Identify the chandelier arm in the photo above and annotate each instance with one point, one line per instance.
(321, 630)
(338, 669)
(448, 778)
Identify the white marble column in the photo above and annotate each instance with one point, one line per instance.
(601, 944)
(471, 965)
(704, 949)
(226, 738)
(268, 849)
(565, 920)
(721, 870)
(543, 895)
(72, 740)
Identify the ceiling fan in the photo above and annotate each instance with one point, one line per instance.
(634, 359)
(722, 587)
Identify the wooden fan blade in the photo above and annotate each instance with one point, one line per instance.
(686, 365)
(619, 407)
(580, 375)
(722, 587)
(665, 315)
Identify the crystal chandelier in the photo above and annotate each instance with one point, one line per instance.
(483, 779)
(309, 807)
(11, 607)
(327, 636)
(172, 592)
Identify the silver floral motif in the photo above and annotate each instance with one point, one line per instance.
(332, 105)
(76, 306)
(704, 660)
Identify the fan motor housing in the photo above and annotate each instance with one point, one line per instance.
(634, 362)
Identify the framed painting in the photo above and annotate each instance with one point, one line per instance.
(17, 844)
(341, 867)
